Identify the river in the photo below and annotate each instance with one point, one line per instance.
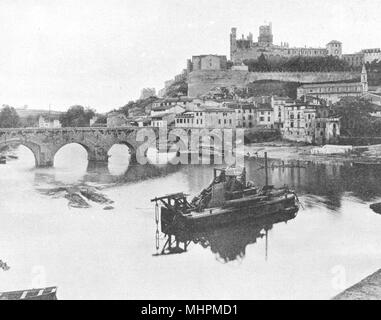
(332, 243)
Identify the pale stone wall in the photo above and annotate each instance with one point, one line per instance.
(202, 81)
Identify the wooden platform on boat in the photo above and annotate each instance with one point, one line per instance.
(49, 293)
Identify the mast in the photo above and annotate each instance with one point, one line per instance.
(267, 177)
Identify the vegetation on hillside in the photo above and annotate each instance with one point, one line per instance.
(255, 89)
(297, 64)
(177, 89)
(137, 108)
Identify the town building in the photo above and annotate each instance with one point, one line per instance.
(355, 60)
(207, 117)
(143, 121)
(327, 127)
(265, 116)
(299, 123)
(174, 106)
(163, 120)
(334, 91)
(310, 123)
(245, 113)
(207, 62)
(245, 48)
(371, 55)
(49, 121)
(170, 102)
(278, 104)
(185, 120)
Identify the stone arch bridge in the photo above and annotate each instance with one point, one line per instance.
(45, 143)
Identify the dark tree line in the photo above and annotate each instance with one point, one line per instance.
(355, 118)
(77, 116)
(374, 73)
(297, 64)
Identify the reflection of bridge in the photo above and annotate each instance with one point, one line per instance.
(44, 143)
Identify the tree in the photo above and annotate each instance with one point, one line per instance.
(9, 117)
(355, 116)
(101, 120)
(77, 116)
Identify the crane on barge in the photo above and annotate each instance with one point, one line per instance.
(228, 199)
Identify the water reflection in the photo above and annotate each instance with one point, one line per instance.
(229, 243)
(323, 184)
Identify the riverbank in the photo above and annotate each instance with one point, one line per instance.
(367, 289)
(293, 151)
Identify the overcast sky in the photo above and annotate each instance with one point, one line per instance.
(102, 53)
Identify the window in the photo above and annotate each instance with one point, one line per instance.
(219, 121)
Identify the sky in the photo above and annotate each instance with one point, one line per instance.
(102, 53)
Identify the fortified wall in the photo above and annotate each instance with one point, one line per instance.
(202, 81)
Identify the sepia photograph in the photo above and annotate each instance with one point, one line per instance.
(180, 150)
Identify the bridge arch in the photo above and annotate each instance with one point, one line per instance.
(59, 148)
(34, 147)
(130, 146)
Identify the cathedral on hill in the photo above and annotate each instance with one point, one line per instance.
(245, 48)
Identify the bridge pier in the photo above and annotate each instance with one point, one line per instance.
(44, 157)
(97, 154)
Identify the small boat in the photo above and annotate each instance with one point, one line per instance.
(376, 207)
(229, 199)
(49, 293)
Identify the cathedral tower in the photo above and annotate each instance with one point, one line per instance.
(233, 42)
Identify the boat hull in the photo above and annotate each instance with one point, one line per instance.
(217, 217)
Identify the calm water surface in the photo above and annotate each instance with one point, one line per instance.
(333, 242)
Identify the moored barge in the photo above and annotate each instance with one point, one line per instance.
(229, 199)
